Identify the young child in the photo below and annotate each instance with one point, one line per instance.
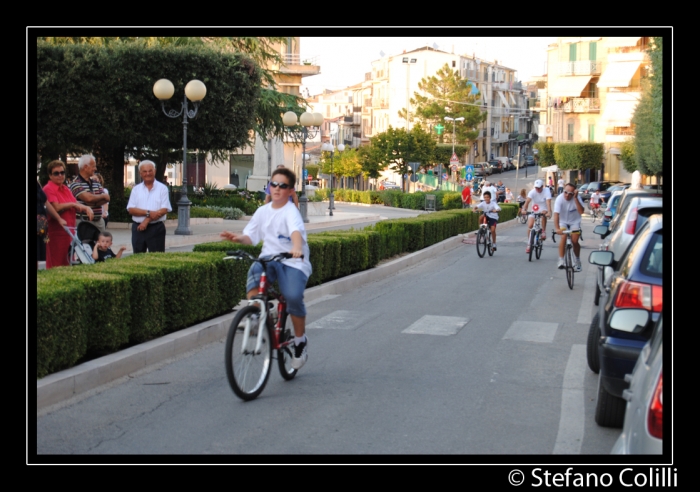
(490, 216)
(102, 249)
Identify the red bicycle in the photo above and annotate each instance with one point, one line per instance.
(256, 331)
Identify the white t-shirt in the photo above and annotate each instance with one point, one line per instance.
(274, 227)
(568, 213)
(493, 191)
(490, 209)
(595, 198)
(539, 199)
(560, 183)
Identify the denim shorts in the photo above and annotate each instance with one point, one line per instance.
(291, 281)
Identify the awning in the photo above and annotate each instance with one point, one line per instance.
(475, 89)
(619, 42)
(503, 99)
(618, 74)
(619, 113)
(550, 169)
(569, 86)
(614, 151)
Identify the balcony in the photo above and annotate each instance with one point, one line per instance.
(582, 105)
(580, 67)
(380, 103)
(291, 63)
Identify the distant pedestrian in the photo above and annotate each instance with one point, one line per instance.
(466, 197)
(560, 186)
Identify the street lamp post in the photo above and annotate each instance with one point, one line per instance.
(310, 127)
(195, 90)
(328, 147)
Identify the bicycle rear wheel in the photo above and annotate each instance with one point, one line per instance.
(538, 248)
(532, 243)
(285, 352)
(569, 266)
(481, 243)
(247, 372)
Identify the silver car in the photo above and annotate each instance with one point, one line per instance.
(642, 432)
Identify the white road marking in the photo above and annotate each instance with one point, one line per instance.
(532, 331)
(437, 325)
(585, 312)
(342, 320)
(572, 415)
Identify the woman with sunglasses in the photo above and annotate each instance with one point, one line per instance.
(63, 201)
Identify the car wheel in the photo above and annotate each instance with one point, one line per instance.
(592, 344)
(609, 410)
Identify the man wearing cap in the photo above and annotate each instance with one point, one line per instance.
(542, 198)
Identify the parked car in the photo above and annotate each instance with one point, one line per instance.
(612, 202)
(612, 347)
(511, 164)
(617, 187)
(617, 239)
(529, 160)
(642, 431)
(504, 161)
(601, 186)
(625, 200)
(482, 169)
(496, 166)
(390, 185)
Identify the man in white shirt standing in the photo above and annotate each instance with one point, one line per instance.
(278, 224)
(490, 188)
(542, 198)
(149, 204)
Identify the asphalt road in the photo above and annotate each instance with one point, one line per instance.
(458, 357)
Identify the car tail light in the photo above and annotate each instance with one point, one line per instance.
(655, 416)
(638, 295)
(631, 221)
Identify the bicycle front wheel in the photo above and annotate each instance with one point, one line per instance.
(569, 266)
(481, 243)
(247, 371)
(285, 352)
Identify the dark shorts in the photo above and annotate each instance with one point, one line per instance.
(491, 222)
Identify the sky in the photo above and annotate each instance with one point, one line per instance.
(345, 60)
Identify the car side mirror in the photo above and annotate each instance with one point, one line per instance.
(601, 230)
(607, 214)
(601, 258)
(630, 320)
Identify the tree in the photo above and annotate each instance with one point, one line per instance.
(397, 147)
(447, 94)
(629, 160)
(582, 155)
(93, 98)
(545, 153)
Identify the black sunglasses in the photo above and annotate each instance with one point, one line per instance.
(58, 173)
(275, 184)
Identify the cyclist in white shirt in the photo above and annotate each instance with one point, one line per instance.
(541, 197)
(490, 217)
(568, 208)
(595, 201)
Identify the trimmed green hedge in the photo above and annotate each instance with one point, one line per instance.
(86, 310)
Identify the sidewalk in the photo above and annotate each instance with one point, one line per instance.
(208, 230)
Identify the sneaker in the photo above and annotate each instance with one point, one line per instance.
(494, 247)
(560, 264)
(577, 266)
(543, 236)
(527, 248)
(300, 355)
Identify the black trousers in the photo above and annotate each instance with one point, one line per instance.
(151, 240)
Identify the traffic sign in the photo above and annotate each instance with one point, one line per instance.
(444, 175)
(306, 173)
(454, 159)
(469, 176)
(439, 128)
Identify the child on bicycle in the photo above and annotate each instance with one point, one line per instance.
(490, 216)
(278, 224)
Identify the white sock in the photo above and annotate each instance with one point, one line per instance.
(298, 340)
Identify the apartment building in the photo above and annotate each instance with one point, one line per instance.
(391, 84)
(593, 85)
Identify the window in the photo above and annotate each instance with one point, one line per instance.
(572, 52)
(591, 132)
(592, 49)
(454, 64)
(570, 132)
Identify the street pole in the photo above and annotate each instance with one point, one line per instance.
(310, 127)
(454, 128)
(195, 91)
(328, 147)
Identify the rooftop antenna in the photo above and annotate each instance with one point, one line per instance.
(435, 46)
(381, 53)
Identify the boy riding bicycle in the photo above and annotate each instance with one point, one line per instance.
(490, 217)
(278, 224)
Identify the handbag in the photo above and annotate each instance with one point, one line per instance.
(42, 227)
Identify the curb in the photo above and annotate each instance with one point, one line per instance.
(63, 385)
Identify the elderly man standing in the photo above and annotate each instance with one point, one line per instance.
(89, 192)
(148, 205)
